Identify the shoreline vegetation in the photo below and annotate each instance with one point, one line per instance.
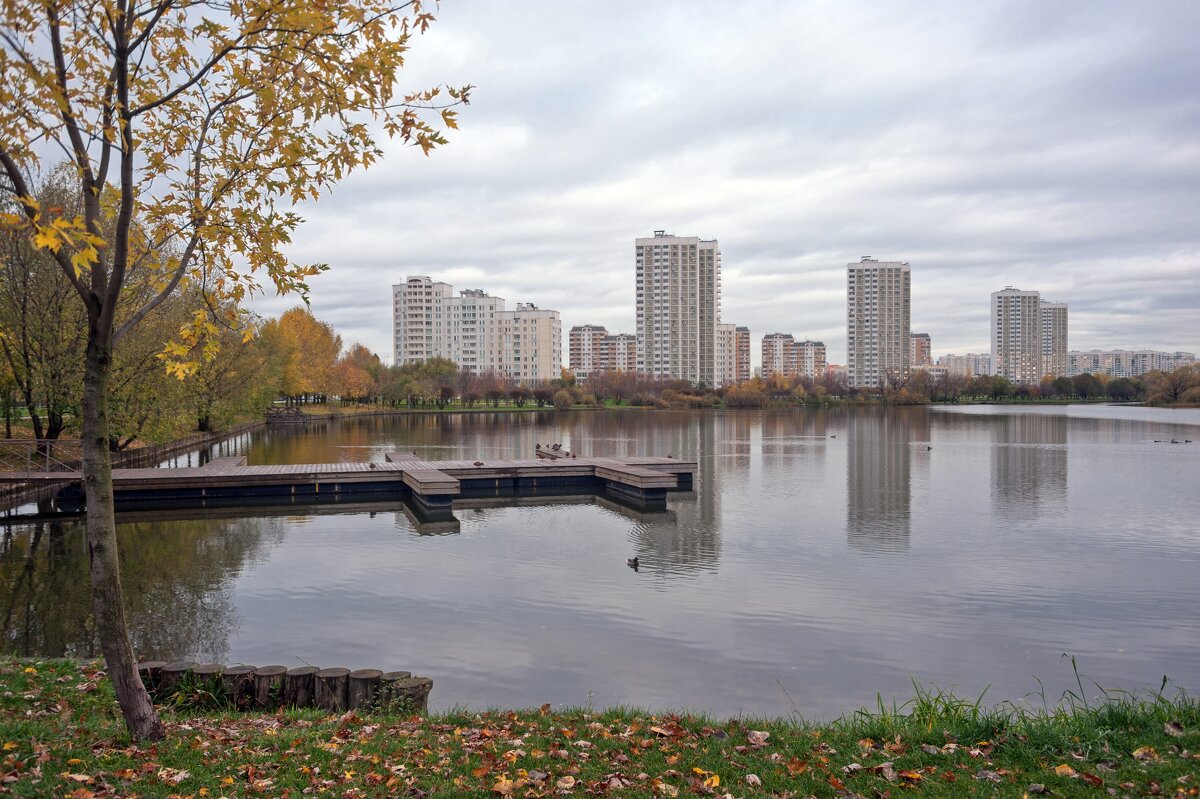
(61, 736)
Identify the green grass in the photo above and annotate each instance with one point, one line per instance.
(62, 737)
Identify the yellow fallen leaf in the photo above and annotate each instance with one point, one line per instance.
(712, 782)
(30, 670)
(1064, 770)
(9, 746)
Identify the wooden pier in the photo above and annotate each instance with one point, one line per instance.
(431, 485)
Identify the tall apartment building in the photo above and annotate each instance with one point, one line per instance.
(619, 353)
(585, 345)
(678, 306)
(810, 359)
(593, 350)
(474, 330)
(415, 303)
(725, 355)
(778, 355)
(1054, 338)
(732, 354)
(878, 321)
(530, 344)
(1029, 336)
(1125, 363)
(967, 365)
(922, 350)
(741, 359)
(783, 355)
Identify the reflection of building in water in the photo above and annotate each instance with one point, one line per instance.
(879, 476)
(787, 435)
(687, 538)
(1029, 465)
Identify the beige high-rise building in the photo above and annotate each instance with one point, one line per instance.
(730, 363)
(619, 353)
(741, 366)
(585, 345)
(778, 355)
(530, 344)
(414, 306)
(922, 350)
(593, 350)
(1125, 363)
(1054, 339)
(475, 331)
(968, 365)
(678, 306)
(810, 359)
(783, 355)
(1029, 336)
(878, 319)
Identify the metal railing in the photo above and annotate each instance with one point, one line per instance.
(40, 455)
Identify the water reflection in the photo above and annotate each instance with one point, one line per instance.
(178, 578)
(755, 580)
(1029, 466)
(879, 477)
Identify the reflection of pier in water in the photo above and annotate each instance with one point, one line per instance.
(879, 477)
(1029, 465)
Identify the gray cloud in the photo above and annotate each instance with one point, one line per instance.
(1048, 147)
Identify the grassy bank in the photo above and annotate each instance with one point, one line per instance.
(61, 737)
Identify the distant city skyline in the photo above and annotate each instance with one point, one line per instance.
(1005, 144)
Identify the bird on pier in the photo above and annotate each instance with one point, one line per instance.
(632, 563)
(928, 448)
(478, 463)
(834, 435)
(537, 446)
(556, 447)
(370, 466)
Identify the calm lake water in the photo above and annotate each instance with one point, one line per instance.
(825, 556)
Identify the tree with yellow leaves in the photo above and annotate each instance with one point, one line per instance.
(193, 127)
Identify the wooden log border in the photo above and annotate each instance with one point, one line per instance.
(243, 687)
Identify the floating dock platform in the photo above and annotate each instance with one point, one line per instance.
(433, 486)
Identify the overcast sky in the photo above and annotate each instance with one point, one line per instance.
(1047, 146)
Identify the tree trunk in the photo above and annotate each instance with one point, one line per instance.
(108, 602)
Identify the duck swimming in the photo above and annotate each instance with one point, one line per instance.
(632, 563)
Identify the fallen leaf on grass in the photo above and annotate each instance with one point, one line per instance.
(758, 738)
(990, 776)
(1091, 779)
(565, 783)
(1147, 753)
(1064, 770)
(753, 779)
(1173, 729)
(1036, 787)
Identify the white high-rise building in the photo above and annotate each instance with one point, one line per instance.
(475, 331)
(678, 307)
(1029, 336)
(878, 321)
